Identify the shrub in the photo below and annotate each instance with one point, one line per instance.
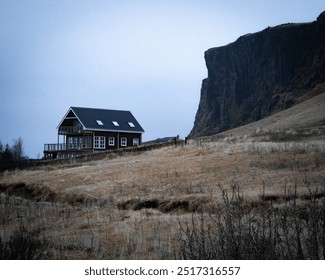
(238, 230)
(24, 245)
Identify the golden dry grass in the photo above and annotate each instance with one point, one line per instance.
(129, 207)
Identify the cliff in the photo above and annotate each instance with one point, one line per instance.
(260, 74)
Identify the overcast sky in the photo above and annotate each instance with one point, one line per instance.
(142, 56)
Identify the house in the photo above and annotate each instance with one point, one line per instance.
(88, 130)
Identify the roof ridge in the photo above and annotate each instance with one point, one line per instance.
(90, 108)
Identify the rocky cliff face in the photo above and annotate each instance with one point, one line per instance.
(260, 74)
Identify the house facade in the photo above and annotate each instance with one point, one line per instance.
(89, 130)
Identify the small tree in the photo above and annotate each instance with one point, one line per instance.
(18, 150)
(1, 150)
(7, 155)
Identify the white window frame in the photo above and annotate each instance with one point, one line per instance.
(124, 141)
(100, 142)
(136, 141)
(111, 141)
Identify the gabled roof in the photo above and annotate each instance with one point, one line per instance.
(104, 119)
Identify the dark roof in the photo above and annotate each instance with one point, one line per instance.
(104, 119)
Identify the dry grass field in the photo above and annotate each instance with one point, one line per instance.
(143, 206)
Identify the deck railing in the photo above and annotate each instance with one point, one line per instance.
(63, 130)
(66, 147)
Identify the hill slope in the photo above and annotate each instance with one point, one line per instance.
(131, 205)
(303, 117)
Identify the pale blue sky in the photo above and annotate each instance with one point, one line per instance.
(142, 56)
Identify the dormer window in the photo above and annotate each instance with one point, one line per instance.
(99, 122)
(115, 123)
(131, 124)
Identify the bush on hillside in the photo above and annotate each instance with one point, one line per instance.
(238, 230)
(24, 245)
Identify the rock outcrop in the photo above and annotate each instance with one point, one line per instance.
(260, 74)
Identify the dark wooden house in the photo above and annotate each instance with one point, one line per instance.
(88, 130)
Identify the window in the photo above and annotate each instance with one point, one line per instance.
(124, 141)
(131, 124)
(135, 141)
(99, 142)
(111, 141)
(115, 123)
(99, 122)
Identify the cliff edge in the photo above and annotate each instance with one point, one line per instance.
(260, 74)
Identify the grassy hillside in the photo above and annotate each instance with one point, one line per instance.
(148, 205)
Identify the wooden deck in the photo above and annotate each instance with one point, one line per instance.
(65, 150)
(65, 147)
(71, 130)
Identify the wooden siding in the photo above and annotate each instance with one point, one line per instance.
(117, 139)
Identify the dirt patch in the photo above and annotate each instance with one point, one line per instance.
(32, 192)
(43, 193)
(189, 204)
(279, 198)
